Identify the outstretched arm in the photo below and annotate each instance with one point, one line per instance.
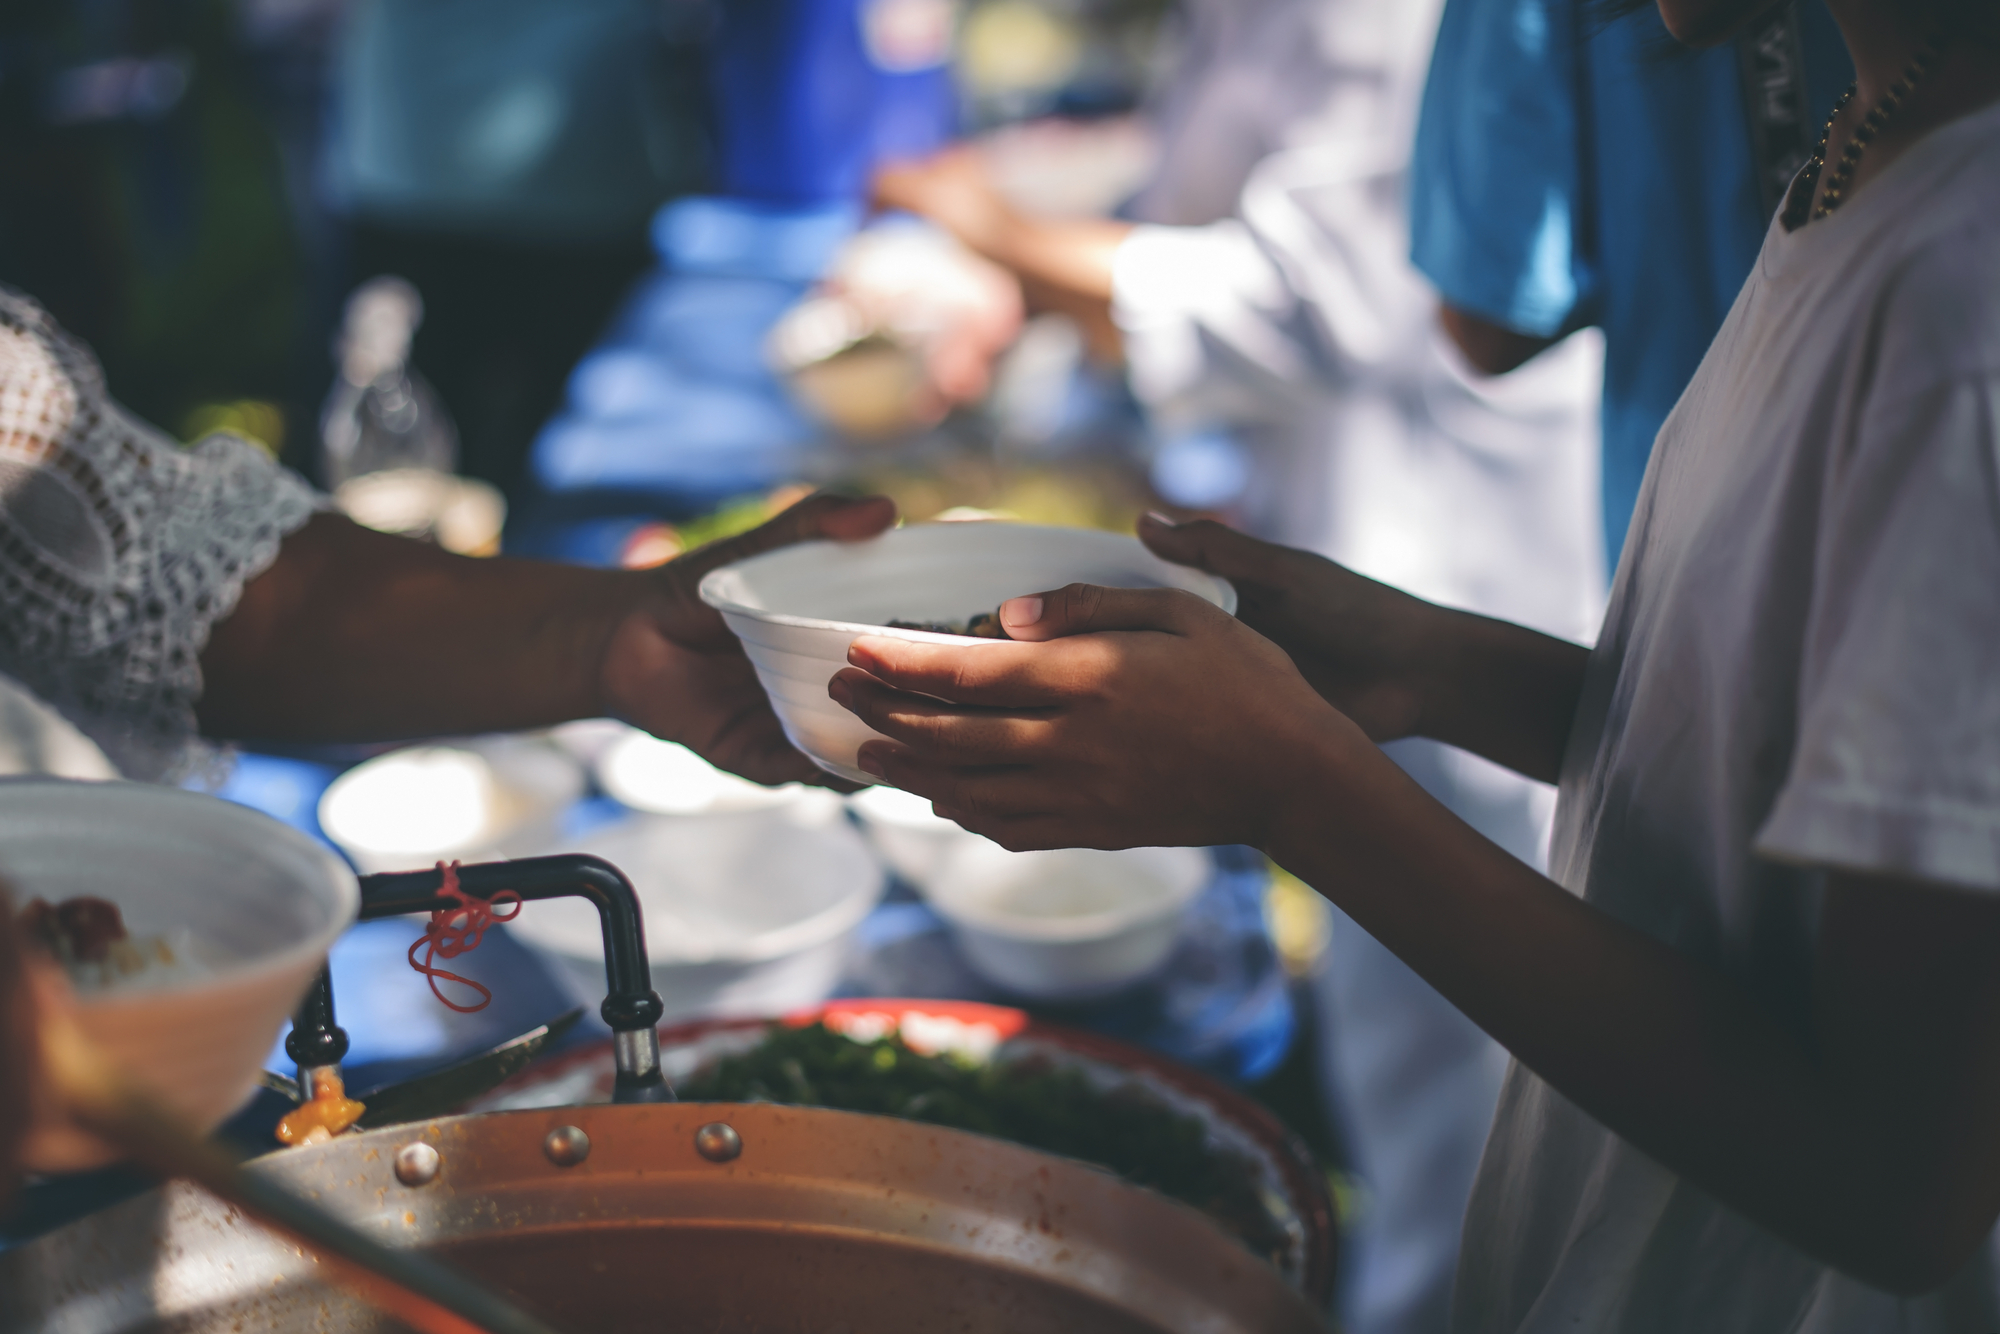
(1063, 264)
(354, 635)
(1395, 664)
(1863, 1137)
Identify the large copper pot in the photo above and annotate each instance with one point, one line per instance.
(708, 1218)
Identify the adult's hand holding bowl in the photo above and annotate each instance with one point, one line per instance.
(1143, 717)
(673, 668)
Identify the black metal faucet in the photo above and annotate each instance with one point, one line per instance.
(631, 1007)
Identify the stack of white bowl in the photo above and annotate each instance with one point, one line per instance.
(1050, 925)
(470, 801)
(751, 894)
(1062, 925)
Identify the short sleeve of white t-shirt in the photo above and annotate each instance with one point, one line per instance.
(1897, 764)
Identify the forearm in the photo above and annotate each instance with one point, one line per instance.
(1819, 1145)
(1073, 256)
(352, 635)
(1500, 690)
(1064, 265)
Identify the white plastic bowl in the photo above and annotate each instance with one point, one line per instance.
(746, 913)
(912, 838)
(412, 808)
(648, 774)
(261, 901)
(797, 610)
(1067, 924)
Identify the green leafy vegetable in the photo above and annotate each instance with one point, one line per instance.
(1126, 1129)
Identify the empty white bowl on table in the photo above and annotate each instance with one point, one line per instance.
(912, 838)
(797, 609)
(747, 913)
(474, 801)
(1067, 924)
(648, 774)
(254, 902)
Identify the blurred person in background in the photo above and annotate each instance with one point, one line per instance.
(157, 596)
(1269, 295)
(1576, 166)
(504, 157)
(143, 198)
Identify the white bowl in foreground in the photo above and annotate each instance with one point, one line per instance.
(1067, 924)
(797, 609)
(747, 913)
(256, 902)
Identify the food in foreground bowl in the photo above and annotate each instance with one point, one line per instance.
(979, 625)
(87, 936)
(1126, 1128)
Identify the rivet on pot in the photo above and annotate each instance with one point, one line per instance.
(566, 1146)
(417, 1164)
(718, 1142)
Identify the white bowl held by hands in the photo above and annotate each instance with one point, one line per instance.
(797, 609)
(256, 902)
(1066, 924)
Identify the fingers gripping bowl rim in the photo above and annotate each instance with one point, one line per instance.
(796, 610)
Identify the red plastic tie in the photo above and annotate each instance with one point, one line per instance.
(458, 930)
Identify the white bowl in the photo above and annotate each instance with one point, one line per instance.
(1067, 924)
(410, 809)
(648, 774)
(746, 913)
(797, 610)
(912, 838)
(261, 902)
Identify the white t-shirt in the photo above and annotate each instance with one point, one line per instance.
(1800, 668)
(1301, 328)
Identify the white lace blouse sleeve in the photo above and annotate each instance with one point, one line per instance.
(119, 550)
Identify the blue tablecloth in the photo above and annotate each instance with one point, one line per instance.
(676, 409)
(1220, 1004)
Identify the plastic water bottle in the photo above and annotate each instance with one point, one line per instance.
(381, 414)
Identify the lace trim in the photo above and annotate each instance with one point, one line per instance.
(119, 550)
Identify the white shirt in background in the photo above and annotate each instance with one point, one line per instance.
(1800, 669)
(1292, 319)
(1300, 325)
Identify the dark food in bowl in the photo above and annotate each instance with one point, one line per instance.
(979, 625)
(1126, 1129)
(79, 930)
(87, 936)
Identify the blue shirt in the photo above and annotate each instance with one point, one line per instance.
(1573, 170)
